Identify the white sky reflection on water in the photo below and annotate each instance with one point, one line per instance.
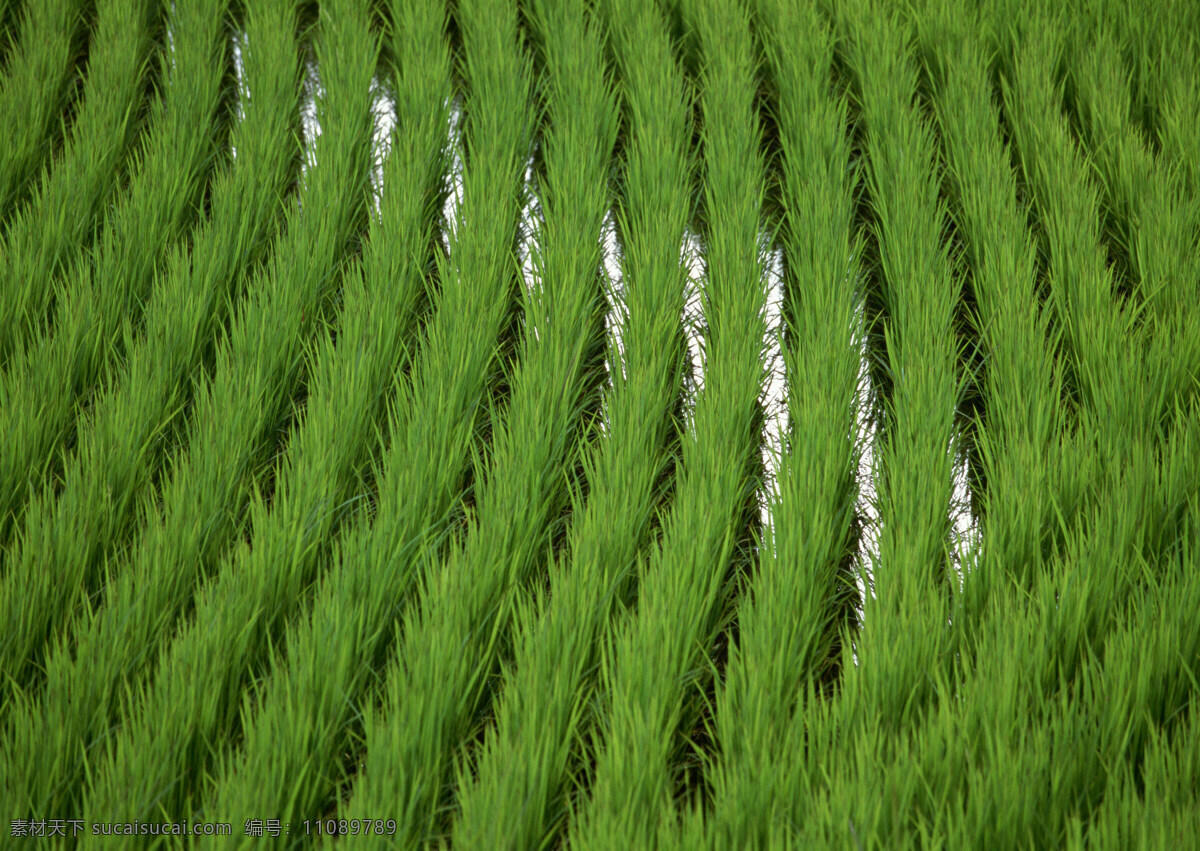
(383, 110)
(313, 90)
(529, 247)
(615, 315)
(454, 178)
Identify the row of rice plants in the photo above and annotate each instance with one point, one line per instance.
(1125, 384)
(124, 442)
(456, 626)
(1021, 421)
(276, 770)
(905, 640)
(906, 637)
(792, 621)
(654, 663)
(96, 312)
(47, 233)
(316, 687)
(518, 794)
(1154, 222)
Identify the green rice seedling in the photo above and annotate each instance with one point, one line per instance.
(63, 363)
(1156, 804)
(1151, 798)
(1177, 139)
(35, 89)
(160, 749)
(1091, 315)
(1154, 220)
(1122, 394)
(905, 633)
(1127, 385)
(46, 235)
(49, 567)
(979, 773)
(649, 665)
(123, 443)
(1021, 421)
(516, 797)
(333, 654)
(788, 624)
(421, 479)
(453, 632)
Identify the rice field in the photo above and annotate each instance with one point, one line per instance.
(600, 424)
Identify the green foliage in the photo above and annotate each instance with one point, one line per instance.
(313, 506)
(47, 235)
(51, 565)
